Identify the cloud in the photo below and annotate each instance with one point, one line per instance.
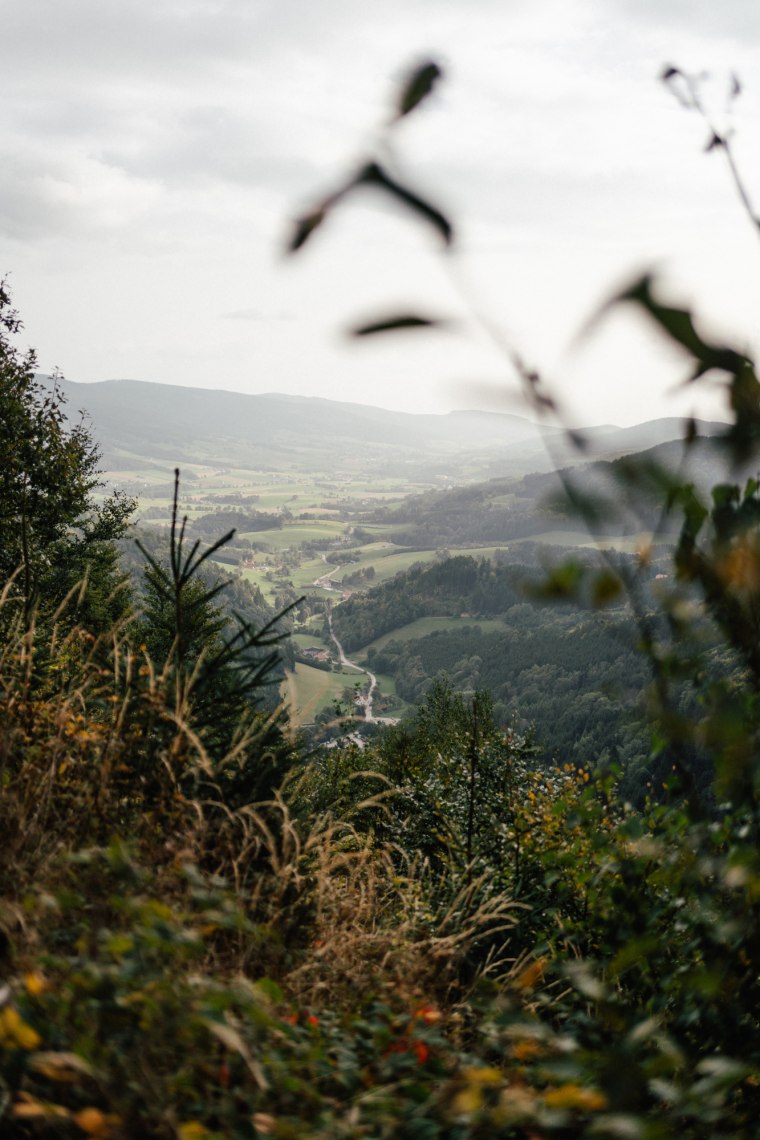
(256, 316)
(731, 19)
(42, 196)
(156, 150)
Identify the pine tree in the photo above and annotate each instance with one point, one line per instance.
(214, 672)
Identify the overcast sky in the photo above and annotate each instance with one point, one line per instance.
(154, 152)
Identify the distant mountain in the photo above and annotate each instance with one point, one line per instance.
(635, 482)
(601, 443)
(134, 421)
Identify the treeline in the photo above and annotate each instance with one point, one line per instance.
(474, 515)
(216, 523)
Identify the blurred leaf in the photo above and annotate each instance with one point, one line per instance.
(581, 975)
(725, 494)
(304, 227)
(715, 142)
(678, 324)
(233, 1041)
(561, 583)
(577, 439)
(271, 991)
(605, 588)
(694, 513)
(374, 175)
(743, 436)
(391, 324)
(417, 87)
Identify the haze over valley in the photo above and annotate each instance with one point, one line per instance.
(410, 546)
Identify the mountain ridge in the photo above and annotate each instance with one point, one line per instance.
(174, 424)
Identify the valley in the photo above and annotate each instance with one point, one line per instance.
(394, 570)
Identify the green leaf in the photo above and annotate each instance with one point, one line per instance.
(374, 175)
(417, 87)
(391, 324)
(270, 990)
(725, 495)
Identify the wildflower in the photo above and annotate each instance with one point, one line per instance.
(427, 1014)
(573, 1096)
(15, 1033)
(35, 983)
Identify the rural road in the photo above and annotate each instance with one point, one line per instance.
(364, 699)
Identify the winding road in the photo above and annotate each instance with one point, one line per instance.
(365, 700)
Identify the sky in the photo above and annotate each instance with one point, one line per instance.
(154, 153)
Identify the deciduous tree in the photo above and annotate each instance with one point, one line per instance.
(53, 533)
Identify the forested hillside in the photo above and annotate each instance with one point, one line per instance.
(561, 669)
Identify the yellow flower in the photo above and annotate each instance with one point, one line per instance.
(35, 983)
(573, 1096)
(193, 1130)
(15, 1033)
(468, 1100)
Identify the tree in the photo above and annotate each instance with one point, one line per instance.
(214, 672)
(53, 534)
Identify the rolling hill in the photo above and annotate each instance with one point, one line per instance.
(137, 422)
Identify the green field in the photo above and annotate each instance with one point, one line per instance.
(307, 691)
(423, 626)
(308, 571)
(390, 565)
(304, 640)
(389, 560)
(299, 532)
